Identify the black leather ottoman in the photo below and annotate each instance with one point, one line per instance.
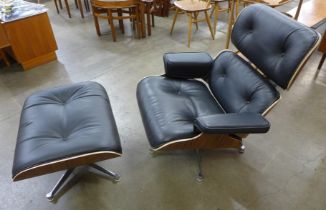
(63, 128)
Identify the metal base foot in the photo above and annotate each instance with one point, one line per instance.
(114, 176)
(50, 196)
(58, 185)
(200, 176)
(242, 149)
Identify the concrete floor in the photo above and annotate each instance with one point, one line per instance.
(283, 169)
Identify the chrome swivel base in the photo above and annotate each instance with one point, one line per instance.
(50, 196)
(242, 148)
(200, 176)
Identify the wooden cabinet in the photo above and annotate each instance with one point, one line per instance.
(31, 40)
(3, 38)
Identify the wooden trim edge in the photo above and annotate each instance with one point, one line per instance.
(65, 163)
(46, 58)
(203, 141)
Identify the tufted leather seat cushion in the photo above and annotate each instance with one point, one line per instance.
(273, 42)
(238, 87)
(65, 122)
(170, 106)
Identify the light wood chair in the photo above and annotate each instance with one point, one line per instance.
(149, 10)
(192, 8)
(235, 4)
(271, 3)
(107, 9)
(78, 3)
(218, 9)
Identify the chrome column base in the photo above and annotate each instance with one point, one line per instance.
(200, 176)
(242, 148)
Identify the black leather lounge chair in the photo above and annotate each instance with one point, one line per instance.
(63, 128)
(203, 103)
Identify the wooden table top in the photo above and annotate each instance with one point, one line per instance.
(312, 12)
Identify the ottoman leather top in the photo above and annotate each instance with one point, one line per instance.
(65, 123)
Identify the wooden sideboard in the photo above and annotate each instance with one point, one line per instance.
(30, 40)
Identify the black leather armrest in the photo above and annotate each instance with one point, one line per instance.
(232, 123)
(187, 65)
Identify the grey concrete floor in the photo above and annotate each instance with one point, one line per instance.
(283, 169)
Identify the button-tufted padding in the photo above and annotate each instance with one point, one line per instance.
(170, 106)
(273, 42)
(238, 87)
(65, 122)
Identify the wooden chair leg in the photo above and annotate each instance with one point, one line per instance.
(209, 24)
(86, 3)
(112, 25)
(195, 18)
(4, 58)
(130, 11)
(56, 6)
(216, 11)
(174, 20)
(141, 11)
(153, 24)
(67, 7)
(76, 4)
(80, 5)
(237, 4)
(230, 23)
(60, 4)
(189, 27)
(321, 61)
(140, 26)
(213, 10)
(97, 25)
(121, 26)
(148, 16)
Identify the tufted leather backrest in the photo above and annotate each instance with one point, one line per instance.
(238, 88)
(273, 42)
